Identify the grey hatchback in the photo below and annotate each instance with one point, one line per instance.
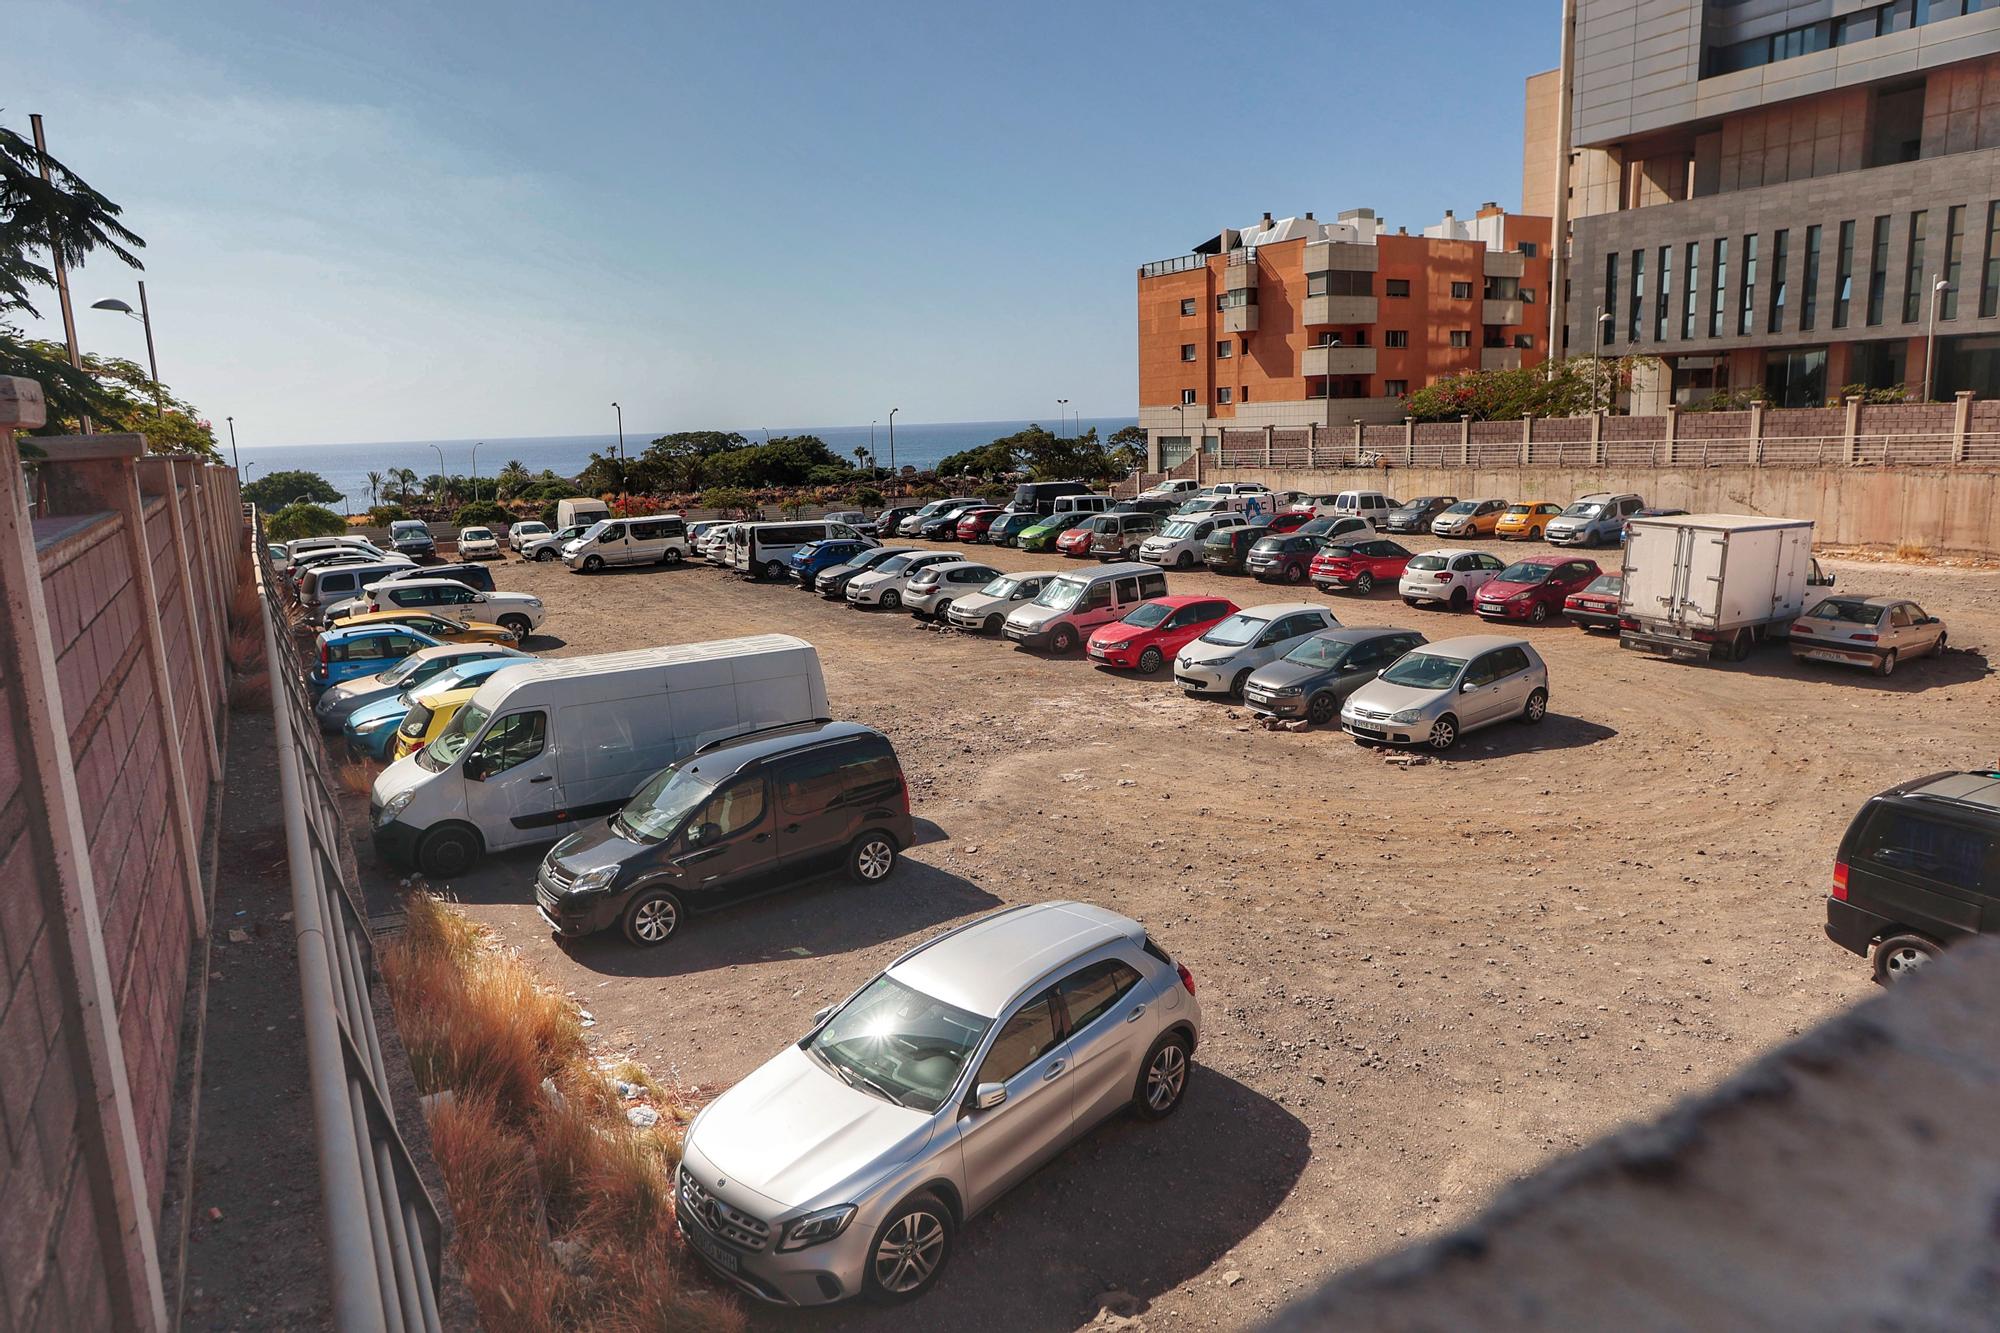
(1315, 678)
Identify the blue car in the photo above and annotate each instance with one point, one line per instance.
(371, 730)
(363, 651)
(811, 558)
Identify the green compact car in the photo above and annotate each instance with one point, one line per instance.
(1042, 536)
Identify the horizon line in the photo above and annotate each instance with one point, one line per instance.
(649, 437)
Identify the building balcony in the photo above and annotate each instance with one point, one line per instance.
(1239, 275)
(1340, 310)
(1506, 264)
(1325, 256)
(1501, 312)
(1337, 361)
(1499, 358)
(1239, 319)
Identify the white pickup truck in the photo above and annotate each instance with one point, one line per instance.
(1700, 586)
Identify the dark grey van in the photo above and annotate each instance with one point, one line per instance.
(1918, 869)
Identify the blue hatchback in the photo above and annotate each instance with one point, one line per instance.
(363, 651)
(811, 558)
(371, 730)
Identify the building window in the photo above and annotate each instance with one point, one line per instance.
(1780, 258)
(1187, 351)
(1634, 330)
(1528, 249)
(1746, 307)
(1954, 257)
(1691, 301)
(1809, 282)
(1461, 291)
(1189, 398)
(1340, 282)
(1663, 291)
(1237, 300)
(1461, 337)
(1222, 395)
(1396, 388)
(1243, 394)
(1224, 350)
(1187, 307)
(1843, 276)
(1527, 296)
(1914, 277)
(1607, 317)
(1719, 287)
(1989, 286)
(1395, 337)
(1498, 289)
(1524, 341)
(1878, 269)
(1396, 287)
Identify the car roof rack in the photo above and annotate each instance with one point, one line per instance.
(775, 727)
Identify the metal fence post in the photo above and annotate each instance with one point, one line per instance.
(1961, 424)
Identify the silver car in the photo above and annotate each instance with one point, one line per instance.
(931, 591)
(884, 585)
(846, 1164)
(985, 611)
(1439, 692)
(1220, 661)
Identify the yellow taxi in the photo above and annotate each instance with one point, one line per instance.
(431, 711)
(442, 628)
(1526, 519)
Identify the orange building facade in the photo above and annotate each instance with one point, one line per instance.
(1297, 322)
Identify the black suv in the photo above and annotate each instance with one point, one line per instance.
(739, 817)
(1918, 868)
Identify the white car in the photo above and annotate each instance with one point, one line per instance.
(477, 543)
(885, 584)
(1222, 659)
(1178, 542)
(1173, 488)
(549, 546)
(1451, 576)
(714, 544)
(517, 611)
(986, 611)
(520, 534)
(931, 591)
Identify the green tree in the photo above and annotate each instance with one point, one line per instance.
(1568, 388)
(676, 462)
(383, 515)
(481, 512)
(303, 520)
(512, 479)
(725, 500)
(274, 490)
(1128, 447)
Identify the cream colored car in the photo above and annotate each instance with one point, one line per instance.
(1874, 632)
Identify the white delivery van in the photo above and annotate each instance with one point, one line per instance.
(1712, 585)
(659, 540)
(546, 747)
(581, 511)
(764, 550)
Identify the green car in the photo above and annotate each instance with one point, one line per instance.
(1007, 528)
(1041, 536)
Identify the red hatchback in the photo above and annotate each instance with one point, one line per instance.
(1154, 630)
(1291, 520)
(1359, 563)
(972, 524)
(1076, 542)
(1535, 588)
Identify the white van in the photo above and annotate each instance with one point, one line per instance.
(299, 549)
(1068, 608)
(661, 539)
(764, 550)
(1082, 504)
(580, 512)
(546, 747)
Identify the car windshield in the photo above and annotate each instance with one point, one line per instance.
(1318, 652)
(399, 674)
(1427, 562)
(1524, 571)
(1060, 594)
(1851, 610)
(1003, 586)
(1463, 507)
(1178, 528)
(451, 742)
(1424, 671)
(895, 564)
(1148, 614)
(1583, 509)
(1610, 584)
(806, 551)
(1236, 631)
(476, 534)
(1269, 545)
(658, 808)
(899, 1044)
(594, 529)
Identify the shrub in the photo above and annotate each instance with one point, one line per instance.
(303, 520)
(481, 513)
(383, 515)
(869, 498)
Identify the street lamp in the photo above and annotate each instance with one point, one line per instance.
(475, 472)
(440, 453)
(234, 456)
(892, 442)
(1062, 414)
(621, 431)
(1597, 359)
(145, 317)
(1939, 288)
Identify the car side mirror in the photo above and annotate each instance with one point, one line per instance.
(477, 767)
(822, 1015)
(1467, 688)
(1383, 672)
(988, 1095)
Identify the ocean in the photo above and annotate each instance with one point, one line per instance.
(347, 466)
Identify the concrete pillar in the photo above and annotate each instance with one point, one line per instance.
(1527, 436)
(1359, 442)
(1409, 441)
(1850, 428)
(1154, 461)
(1465, 441)
(1597, 438)
(1756, 433)
(1267, 446)
(1961, 423)
(1672, 415)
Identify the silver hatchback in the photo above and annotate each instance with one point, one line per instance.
(1437, 693)
(846, 1164)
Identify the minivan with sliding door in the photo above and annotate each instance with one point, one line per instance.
(1068, 608)
(735, 819)
(765, 550)
(661, 539)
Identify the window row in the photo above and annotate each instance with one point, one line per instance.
(1806, 38)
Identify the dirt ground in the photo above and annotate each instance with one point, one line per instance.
(1418, 982)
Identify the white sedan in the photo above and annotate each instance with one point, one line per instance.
(477, 544)
(885, 584)
(520, 534)
(1450, 576)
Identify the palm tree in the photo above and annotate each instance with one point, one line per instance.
(405, 478)
(512, 478)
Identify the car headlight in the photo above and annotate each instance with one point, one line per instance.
(817, 1228)
(394, 806)
(594, 880)
(1118, 647)
(375, 724)
(1406, 717)
(1286, 692)
(535, 602)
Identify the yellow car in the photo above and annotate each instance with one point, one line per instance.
(1526, 519)
(430, 713)
(442, 628)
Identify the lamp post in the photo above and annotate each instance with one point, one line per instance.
(440, 453)
(1938, 288)
(145, 317)
(621, 431)
(475, 472)
(1062, 414)
(892, 442)
(1597, 359)
(234, 456)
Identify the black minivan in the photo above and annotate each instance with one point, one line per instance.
(737, 818)
(1918, 869)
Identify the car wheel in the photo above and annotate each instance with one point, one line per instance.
(544, 554)
(1409, 601)
(1185, 560)
(1062, 639)
(1458, 599)
(449, 850)
(1538, 613)
(592, 563)
(1294, 573)
(1900, 955)
(910, 1250)
(652, 918)
(1149, 661)
(1236, 686)
(938, 611)
(1537, 709)
(993, 624)
(1887, 666)
(871, 858)
(1321, 708)
(517, 626)
(1937, 649)
(1444, 733)
(892, 600)
(773, 569)
(1740, 646)
(671, 556)
(1534, 534)
(1163, 1079)
(1364, 584)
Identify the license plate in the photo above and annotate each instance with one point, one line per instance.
(1826, 655)
(717, 1254)
(1362, 729)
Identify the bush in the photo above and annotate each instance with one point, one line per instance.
(303, 520)
(281, 488)
(869, 498)
(483, 513)
(725, 499)
(383, 515)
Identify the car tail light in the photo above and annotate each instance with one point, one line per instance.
(1863, 638)
(1187, 977)
(903, 781)
(325, 655)
(1801, 629)
(1840, 880)
(1627, 622)
(1442, 576)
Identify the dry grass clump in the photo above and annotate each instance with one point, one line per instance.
(1913, 551)
(564, 1208)
(245, 648)
(356, 776)
(250, 693)
(243, 602)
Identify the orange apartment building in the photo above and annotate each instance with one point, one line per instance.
(1296, 322)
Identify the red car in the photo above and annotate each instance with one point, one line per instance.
(1154, 630)
(1289, 521)
(1076, 542)
(1534, 588)
(1596, 607)
(972, 524)
(1358, 563)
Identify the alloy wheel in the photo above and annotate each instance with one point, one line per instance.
(1166, 1076)
(1444, 733)
(909, 1251)
(875, 859)
(655, 920)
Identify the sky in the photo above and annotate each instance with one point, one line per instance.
(391, 221)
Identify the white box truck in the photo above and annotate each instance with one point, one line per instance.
(1713, 585)
(545, 747)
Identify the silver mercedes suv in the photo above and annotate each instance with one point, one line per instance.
(846, 1164)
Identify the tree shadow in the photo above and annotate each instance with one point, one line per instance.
(1134, 1207)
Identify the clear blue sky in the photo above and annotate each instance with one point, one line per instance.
(444, 220)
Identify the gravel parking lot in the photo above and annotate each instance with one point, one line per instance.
(1418, 981)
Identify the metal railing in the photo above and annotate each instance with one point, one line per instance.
(1178, 264)
(383, 1231)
